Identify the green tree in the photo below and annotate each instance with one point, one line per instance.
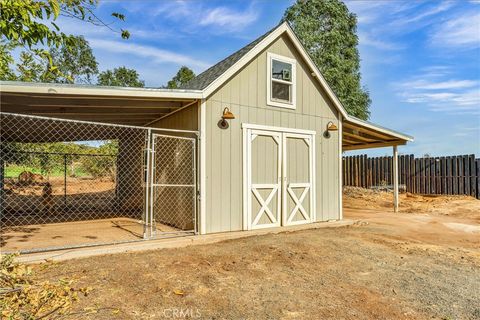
(329, 33)
(121, 77)
(31, 25)
(6, 60)
(183, 75)
(29, 70)
(76, 64)
(102, 161)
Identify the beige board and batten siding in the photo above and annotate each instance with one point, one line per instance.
(245, 95)
(184, 119)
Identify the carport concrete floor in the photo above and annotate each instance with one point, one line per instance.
(68, 234)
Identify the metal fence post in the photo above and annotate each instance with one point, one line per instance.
(2, 179)
(65, 180)
(148, 185)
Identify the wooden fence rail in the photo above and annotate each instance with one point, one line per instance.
(457, 175)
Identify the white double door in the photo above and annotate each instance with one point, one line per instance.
(279, 186)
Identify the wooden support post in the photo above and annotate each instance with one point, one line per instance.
(395, 179)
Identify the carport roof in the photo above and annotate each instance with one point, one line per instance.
(361, 134)
(130, 106)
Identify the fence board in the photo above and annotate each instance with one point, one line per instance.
(426, 175)
(473, 176)
(477, 171)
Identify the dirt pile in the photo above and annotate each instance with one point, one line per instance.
(457, 206)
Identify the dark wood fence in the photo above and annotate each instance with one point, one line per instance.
(427, 175)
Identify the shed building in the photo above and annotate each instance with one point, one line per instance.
(255, 141)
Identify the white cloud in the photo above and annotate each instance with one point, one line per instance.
(368, 11)
(434, 10)
(446, 85)
(435, 71)
(441, 94)
(158, 55)
(460, 31)
(365, 39)
(382, 23)
(225, 17)
(193, 13)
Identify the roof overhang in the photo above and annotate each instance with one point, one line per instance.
(359, 134)
(130, 106)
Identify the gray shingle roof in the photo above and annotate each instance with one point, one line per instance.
(205, 78)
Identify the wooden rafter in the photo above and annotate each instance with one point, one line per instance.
(374, 145)
(367, 131)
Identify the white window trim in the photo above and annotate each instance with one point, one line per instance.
(293, 62)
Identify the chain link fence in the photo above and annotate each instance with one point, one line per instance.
(66, 183)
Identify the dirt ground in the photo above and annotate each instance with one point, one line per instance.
(74, 186)
(422, 263)
(80, 192)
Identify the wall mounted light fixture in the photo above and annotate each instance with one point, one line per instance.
(330, 127)
(227, 115)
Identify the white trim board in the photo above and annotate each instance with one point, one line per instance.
(293, 93)
(340, 166)
(278, 129)
(203, 166)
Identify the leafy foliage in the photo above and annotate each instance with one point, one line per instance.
(76, 64)
(122, 77)
(52, 157)
(183, 75)
(32, 22)
(328, 31)
(6, 59)
(21, 297)
(29, 70)
(31, 25)
(101, 166)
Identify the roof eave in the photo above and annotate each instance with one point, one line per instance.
(69, 89)
(376, 127)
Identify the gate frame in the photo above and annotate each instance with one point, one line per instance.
(151, 185)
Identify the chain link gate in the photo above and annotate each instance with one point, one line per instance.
(68, 183)
(174, 185)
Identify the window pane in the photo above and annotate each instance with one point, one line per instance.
(281, 91)
(281, 70)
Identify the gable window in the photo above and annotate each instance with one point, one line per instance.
(281, 81)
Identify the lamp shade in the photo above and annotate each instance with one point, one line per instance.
(227, 115)
(331, 126)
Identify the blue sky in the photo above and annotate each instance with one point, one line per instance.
(420, 59)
